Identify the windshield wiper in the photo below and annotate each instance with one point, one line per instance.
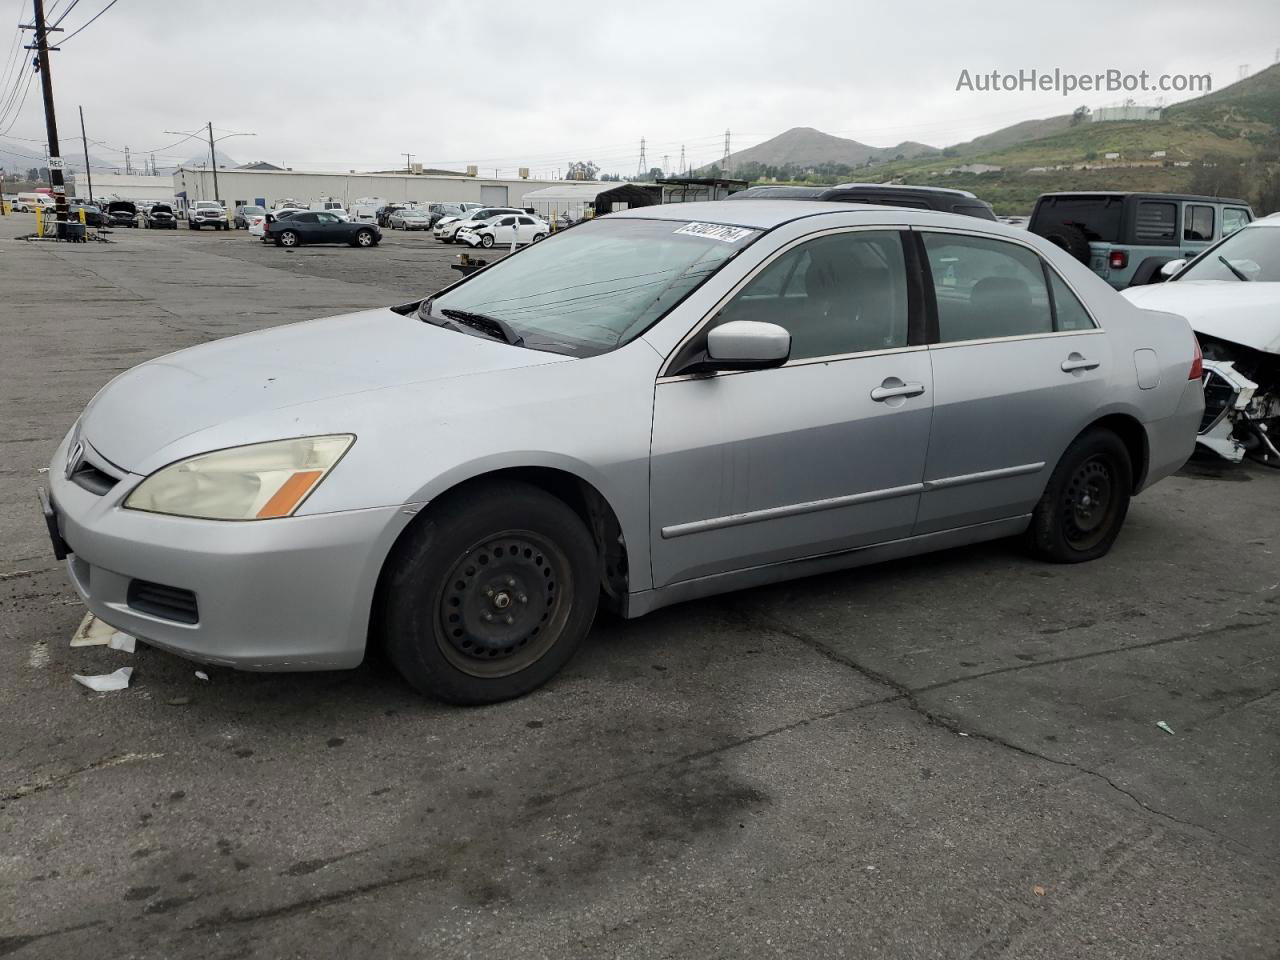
(494, 326)
(1230, 266)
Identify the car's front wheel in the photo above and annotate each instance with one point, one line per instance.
(1084, 505)
(364, 238)
(490, 594)
(486, 241)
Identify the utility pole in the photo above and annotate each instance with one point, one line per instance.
(408, 163)
(213, 159)
(41, 46)
(85, 140)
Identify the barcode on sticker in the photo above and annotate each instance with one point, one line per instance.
(715, 231)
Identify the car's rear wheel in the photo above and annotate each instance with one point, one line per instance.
(364, 238)
(490, 594)
(287, 238)
(1084, 505)
(1071, 239)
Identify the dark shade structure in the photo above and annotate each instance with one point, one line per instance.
(627, 196)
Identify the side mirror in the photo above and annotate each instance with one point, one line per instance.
(747, 345)
(1172, 267)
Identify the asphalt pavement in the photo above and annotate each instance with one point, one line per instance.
(954, 756)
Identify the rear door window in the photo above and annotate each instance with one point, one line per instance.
(1197, 222)
(1156, 222)
(986, 288)
(1100, 217)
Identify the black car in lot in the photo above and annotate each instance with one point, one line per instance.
(162, 217)
(122, 213)
(319, 226)
(93, 215)
(942, 199)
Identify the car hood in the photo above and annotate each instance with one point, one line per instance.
(152, 406)
(1238, 312)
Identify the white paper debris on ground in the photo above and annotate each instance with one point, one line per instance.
(92, 632)
(107, 681)
(201, 675)
(122, 641)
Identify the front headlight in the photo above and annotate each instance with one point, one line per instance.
(254, 482)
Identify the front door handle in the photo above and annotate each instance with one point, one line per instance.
(1078, 362)
(893, 387)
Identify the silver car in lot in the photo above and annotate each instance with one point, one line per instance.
(657, 405)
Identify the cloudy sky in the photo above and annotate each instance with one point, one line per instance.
(328, 84)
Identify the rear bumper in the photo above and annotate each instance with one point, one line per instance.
(290, 594)
(1171, 440)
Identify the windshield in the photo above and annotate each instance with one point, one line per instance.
(1254, 251)
(252, 210)
(597, 286)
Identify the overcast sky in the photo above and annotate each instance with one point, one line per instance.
(328, 84)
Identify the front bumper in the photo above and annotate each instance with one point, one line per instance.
(288, 594)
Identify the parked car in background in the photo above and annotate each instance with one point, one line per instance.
(321, 226)
(501, 231)
(94, 216)
(1231, 295)
(28, 202)
(333, 206)
(122, 213)
(446, 228)
(162, 217)
(258, 225)
(244, 212)
(382, 478)
(384, 215)
(441, 210)
(207, 213)
(1125, 238)
(942, 199)
(411, 218)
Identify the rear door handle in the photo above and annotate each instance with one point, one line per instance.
(1078, 362)
(893, 387)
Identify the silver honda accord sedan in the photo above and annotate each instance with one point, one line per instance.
(653, 406)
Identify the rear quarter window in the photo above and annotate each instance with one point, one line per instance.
(1100, 218)
(1155, 222)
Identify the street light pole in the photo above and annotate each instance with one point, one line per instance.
(85, 140)
(213, 159)
(50, 120)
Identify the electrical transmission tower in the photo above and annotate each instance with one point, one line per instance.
(682, 171)
(724, 163)
(128, 161)
(643, 168)
(1244, 70)
(666, 164)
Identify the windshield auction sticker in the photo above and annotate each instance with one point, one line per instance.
(715, 231)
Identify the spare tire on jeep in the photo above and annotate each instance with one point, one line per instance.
(1071, 239)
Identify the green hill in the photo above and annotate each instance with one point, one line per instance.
(1226, 142)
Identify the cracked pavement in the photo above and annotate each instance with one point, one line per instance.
(954, 756)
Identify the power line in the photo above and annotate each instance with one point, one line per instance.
(91, 19)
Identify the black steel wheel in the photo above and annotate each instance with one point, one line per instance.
(1085, 502)
(501, 606)
(489, 593)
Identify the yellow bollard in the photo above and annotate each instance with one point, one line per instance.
(82, 216)
(39, 222)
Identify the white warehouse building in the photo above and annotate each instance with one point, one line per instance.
(266, 187)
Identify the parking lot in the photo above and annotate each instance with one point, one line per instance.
(947, 757)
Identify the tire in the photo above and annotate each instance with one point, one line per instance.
(446, 239)
(193, 226)
(1084, 505)
(287, 238)
(486, 241)
(1071, 239)
(538, 236)
(457, 566)
(363, 238)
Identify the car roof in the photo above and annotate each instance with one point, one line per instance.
(766, 214)
(906, 188)
(1143, 194)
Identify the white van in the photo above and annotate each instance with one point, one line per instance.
(27, 202)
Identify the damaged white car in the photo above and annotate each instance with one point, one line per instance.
(1231, 295)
